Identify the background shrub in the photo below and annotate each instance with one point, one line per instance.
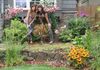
(75, 29)
(78, 25)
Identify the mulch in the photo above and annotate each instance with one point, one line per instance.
(50, 63)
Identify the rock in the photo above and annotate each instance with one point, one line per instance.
(51, 56)
(47, 56)
(58, 57)
(42, 56)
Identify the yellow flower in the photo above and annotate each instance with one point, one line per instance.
(79, 62)
(85, 54)
(79, 59)
(74, 57)
(78, 54)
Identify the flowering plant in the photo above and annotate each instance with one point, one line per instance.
(78, 54)
(51, 9)
(83, 14)
(11, 12)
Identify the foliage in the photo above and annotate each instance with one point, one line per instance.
(88, 39)
(78, 25)
(76, 29)
(78, 55)
(13, 56)
(16, 31)
(53, 20)
(78, 40)
(92, 43)
(65, 35)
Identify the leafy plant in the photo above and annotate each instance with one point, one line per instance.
(87, 41)
(65, 35)
(92, 43)
(78, 25)
(76, 30)
(78, 40)
(13, 56)
(16, 31)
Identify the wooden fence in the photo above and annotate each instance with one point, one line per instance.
(91, 11)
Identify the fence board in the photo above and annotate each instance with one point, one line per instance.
(91, 11)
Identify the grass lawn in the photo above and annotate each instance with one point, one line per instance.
(48, 47)
(34, 67)
(42, 47)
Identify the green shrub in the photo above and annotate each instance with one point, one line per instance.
(16, 31)
(76, 29)
(13, 56)
(78, 25)
(65, 35)
(78, 40)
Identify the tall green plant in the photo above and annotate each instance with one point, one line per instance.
(88, 39)
(92, 43)
(13, 54)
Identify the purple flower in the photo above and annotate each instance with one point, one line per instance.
(83, 14)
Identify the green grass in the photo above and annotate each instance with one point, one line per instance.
(34, 67)
(43, 47)
(48, 47)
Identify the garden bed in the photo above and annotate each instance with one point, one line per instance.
(45, 52)
(41, 52)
